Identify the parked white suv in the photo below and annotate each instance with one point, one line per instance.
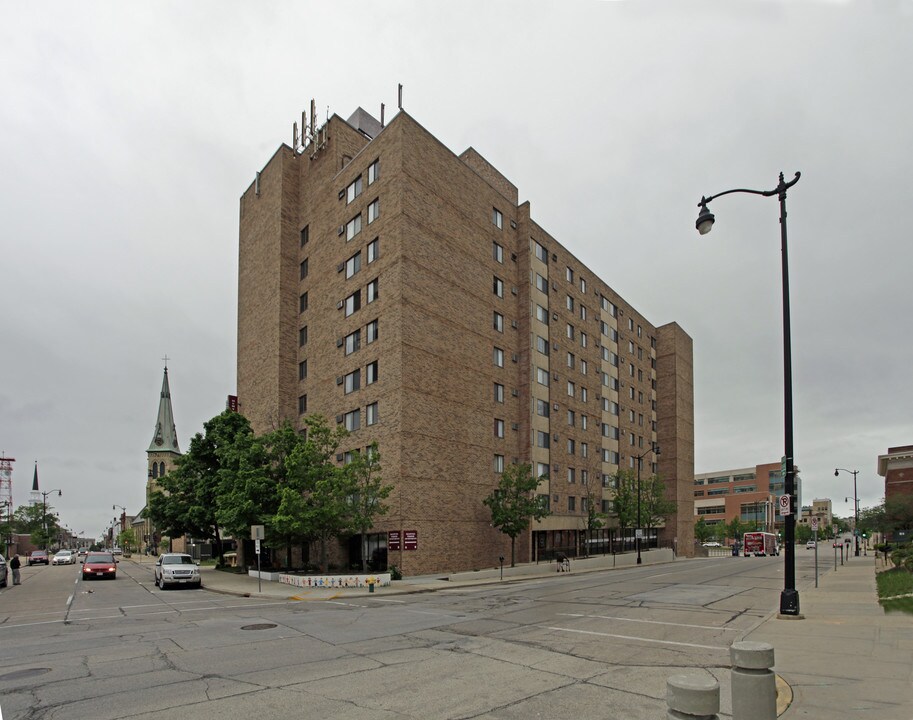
(177, 569)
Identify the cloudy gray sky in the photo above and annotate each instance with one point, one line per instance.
(129, 130)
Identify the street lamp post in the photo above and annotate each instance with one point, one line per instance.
(123, 517)
(654, 448)
(789, 598)
(44, 514)
(854, 473)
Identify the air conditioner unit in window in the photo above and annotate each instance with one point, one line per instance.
(554, 316)
(554, 258)
(555, 437)
(515, 357)
(514, 392)
(339, 457)
(342, 229)
(340, 267)
(513, 324)
(513, 225)
(554, 285)
(339, 419)
(555, 407)
(554, 347)
(513, 291)
(513, 256)
(555, 468)
(342, 193)
(339, 342)
(339, 379)
(514, 426)
(555, 376)
(340, 304)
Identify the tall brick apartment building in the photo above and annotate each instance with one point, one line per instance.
(404, 292)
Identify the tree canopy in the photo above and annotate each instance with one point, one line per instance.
(514, 504)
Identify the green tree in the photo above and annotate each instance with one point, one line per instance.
(624, 503)
(127, 540)
(38, 521)
(702, 531)
(803, 533)
(898, 511)
(735, 528)
(595, 518)
(655, 506)
(281, 495)
(192, 494)
(367, 502)
(514, 505)
(325, 509)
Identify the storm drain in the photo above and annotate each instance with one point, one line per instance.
(259, 626)
(24, 674)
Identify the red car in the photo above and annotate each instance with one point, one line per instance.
(99, 565)
(39, 556)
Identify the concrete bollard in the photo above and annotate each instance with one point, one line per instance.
(692, 697)
(754, 685)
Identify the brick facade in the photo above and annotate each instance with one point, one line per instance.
(437, 271)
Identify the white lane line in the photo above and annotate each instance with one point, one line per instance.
(640, 639)
(390, 600)
(70, 599)
(334, 602)
(650, 622)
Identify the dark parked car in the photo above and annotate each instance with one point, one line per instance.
(99, 565)
(3, 571)
(38, 557)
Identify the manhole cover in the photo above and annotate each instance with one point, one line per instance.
(259, 626)
(23, 674)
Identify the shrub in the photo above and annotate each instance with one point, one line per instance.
(395, 573)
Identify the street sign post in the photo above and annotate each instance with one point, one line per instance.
(785, 506)
(257, 533)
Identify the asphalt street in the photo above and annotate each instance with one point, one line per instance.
(554, 647)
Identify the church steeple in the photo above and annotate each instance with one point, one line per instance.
(165, 438)
(35, 495)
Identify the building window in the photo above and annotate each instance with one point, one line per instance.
(571, 389)
(302, 404)
(630, 324)
(303, 269)
(353, 190)
(353, 381)
(371, 332)
(499, 392)
(542, 471)
(373, 290)
(583, 339)
(584, 450)
(582, 500)
(497, 252)
(540, 252)
(542, 314)
(583, 422)
(569, 330)
(371, 376)
(499, 463)
(302, 302)
(371, 414)
(353, 264)
(373, 210)
(305, 235)
(541, 284)
(541, 407)
(571, 446)
(353, 342)
(583, 394)
(569, 302)
(640, 331)
(352, 420)
(303, 370)
(353, 227)
(373, 172)
(542, 376)
(497, 286)
(571, 475)
(571, 504)
(498, 321)
(583, 367)
(570, 418)
(542, 439)
(568, 274)
(497, 218)
(570, 360)
(583, 312)
(541, 345)
(613, 359)
(583, 286)
(373, 250)
(498, 357)
(353, 302)
(499, 428)
(613, 407)
(303, 336)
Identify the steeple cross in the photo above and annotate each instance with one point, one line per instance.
(166, 360)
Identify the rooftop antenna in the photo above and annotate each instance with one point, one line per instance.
(381, 114)
(400, 96)
(313, 113)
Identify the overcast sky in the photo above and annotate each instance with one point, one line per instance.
(128, 132)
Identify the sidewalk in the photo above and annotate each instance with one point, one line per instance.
(845, 659)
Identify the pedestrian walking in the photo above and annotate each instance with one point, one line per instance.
(14, 566)
(564, 563)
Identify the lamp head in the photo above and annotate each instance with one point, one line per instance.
(704, 220)
(836, 473)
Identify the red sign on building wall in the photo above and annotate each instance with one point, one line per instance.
(410, 539)
(393, 540)
(233, 403)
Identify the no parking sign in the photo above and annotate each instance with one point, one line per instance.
(785, 506)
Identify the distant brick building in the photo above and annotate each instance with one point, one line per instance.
(403, 292)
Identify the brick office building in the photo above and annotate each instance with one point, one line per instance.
(404, 292)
